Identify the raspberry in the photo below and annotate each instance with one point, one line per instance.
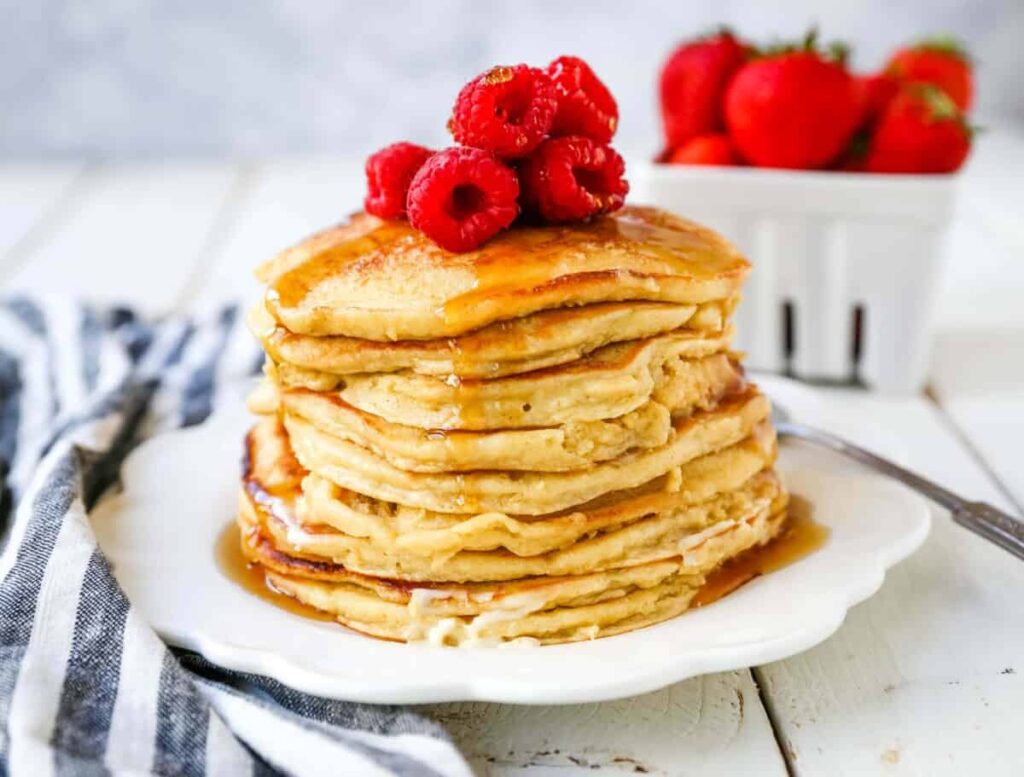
(507, 110)
(585, 106)
(573, 178)
(462, 197)
(388, 174)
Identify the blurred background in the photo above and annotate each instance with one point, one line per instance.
(128, 79)
(152, 154)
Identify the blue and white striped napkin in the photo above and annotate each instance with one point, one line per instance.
(86, 687)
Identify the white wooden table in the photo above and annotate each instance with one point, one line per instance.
(925, 678)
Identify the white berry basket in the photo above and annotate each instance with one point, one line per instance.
(846, 265)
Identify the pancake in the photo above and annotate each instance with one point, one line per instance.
(540, 340)
(574, 445)
(410, 531)
(382, 281)
(275, 480)
(672, 369)
(619, 611)
(470, 598)
(545, 609)
(531, 493)
(688, 532)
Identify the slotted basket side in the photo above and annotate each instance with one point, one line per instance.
(846, 266)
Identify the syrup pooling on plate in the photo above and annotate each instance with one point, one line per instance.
(249, 576)
(800, 537)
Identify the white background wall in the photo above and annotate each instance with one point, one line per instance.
(127, 78)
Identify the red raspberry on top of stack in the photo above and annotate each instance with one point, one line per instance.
(507, 110)
(463, 196)
(573, 178)
(388, 175)
(531, 140)
(585, 106)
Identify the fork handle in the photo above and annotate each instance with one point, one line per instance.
(992, 524)
(983, 519)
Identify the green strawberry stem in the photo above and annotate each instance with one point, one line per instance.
(836, 51)
(944, 44)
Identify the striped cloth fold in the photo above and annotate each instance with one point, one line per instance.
(86, 687)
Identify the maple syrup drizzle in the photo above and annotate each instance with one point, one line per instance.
(512, 263)
(521, 259)
(250, 576)
(292, 287)
(801, 536)
(515, 261)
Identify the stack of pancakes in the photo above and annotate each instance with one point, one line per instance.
(545, 439)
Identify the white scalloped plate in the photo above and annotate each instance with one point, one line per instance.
(180, 493)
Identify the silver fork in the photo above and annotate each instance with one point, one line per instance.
(979, 517)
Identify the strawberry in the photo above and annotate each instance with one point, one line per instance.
(851, 160)
(850, 164)
(876, 91)
(705, 150)
(693, 80)
(792, 108)
(939, 61)
(922, 131)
